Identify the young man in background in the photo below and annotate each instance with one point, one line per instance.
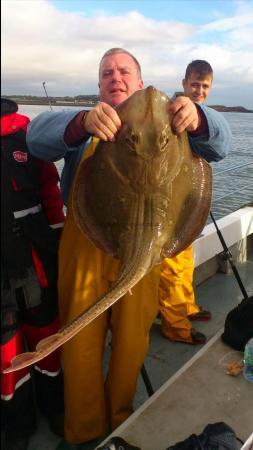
(176, 294)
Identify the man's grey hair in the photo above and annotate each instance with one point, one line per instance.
(114, 51)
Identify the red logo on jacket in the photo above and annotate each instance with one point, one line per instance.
(20, 156)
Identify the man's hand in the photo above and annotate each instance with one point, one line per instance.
(102, 122)
(184, 115)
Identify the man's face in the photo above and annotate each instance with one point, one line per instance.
(197, 88)
(118, 78)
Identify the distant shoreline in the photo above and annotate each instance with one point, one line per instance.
(93, 102)
(59, 103)
(239, 109)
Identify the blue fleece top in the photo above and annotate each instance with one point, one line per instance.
(45, 140)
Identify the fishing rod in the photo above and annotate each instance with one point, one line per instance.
(147, 381)
(44, 86)
(228, 257)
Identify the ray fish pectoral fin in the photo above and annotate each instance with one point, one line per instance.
(48, 342)
(194, 210)
(20, 361)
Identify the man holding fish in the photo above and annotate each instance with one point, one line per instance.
(94, 406)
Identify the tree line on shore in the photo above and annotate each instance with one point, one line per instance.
(78, 99)
(92, 100)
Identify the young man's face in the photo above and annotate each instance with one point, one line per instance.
(197, 88)
(118, 78)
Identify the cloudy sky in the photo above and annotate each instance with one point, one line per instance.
(62, 41)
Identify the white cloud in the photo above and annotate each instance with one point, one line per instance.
(229, 23)
(64, 48)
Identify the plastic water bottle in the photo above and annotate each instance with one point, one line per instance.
(248, 361)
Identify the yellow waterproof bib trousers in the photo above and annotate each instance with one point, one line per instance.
(92, 404)
(176, 296)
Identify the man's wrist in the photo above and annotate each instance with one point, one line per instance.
(202, 127)
(83, 123)
(75, 132)
(79, 123)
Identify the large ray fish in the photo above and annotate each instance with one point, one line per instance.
(144, 197)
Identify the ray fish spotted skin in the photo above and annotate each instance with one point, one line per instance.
(144, 197)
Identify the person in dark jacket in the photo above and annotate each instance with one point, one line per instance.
(31, 222)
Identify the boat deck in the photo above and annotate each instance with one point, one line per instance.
(219, 294)
(200, 393)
